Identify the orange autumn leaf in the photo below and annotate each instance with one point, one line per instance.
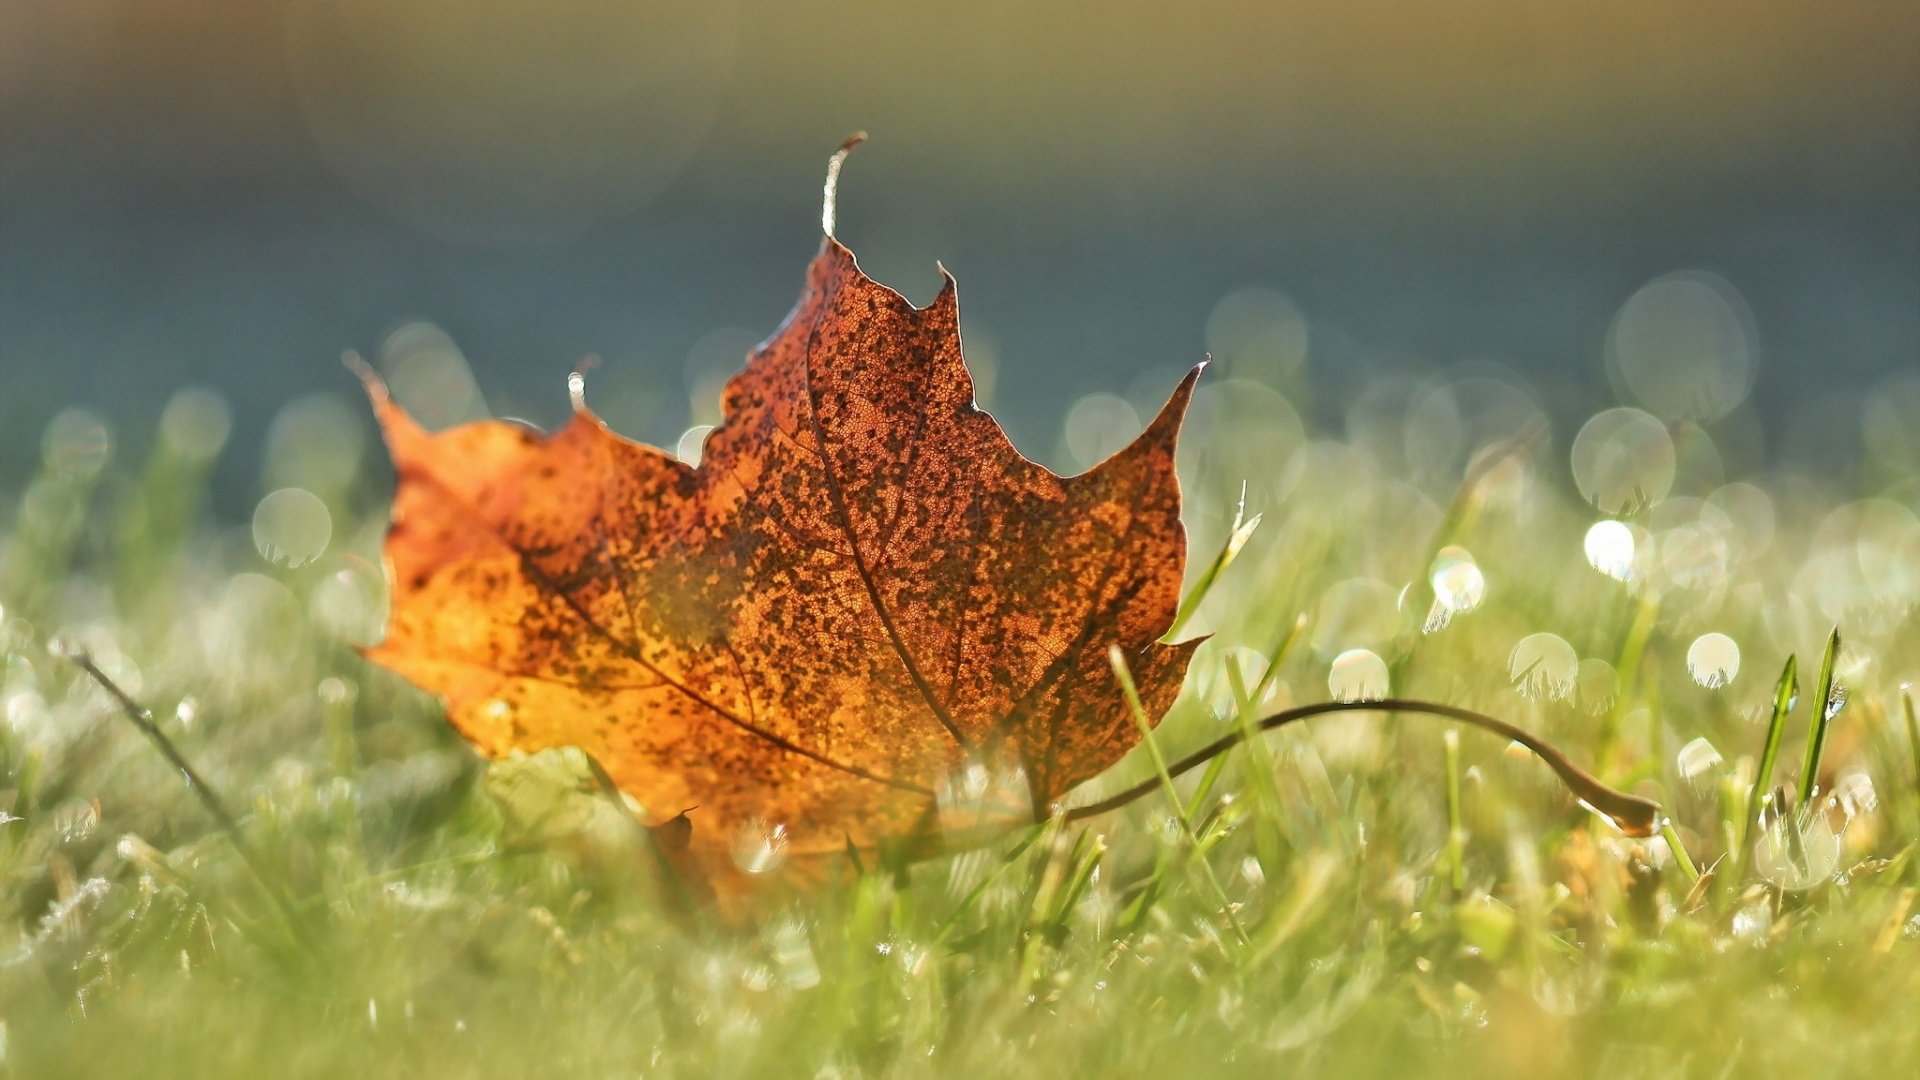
(862, 591)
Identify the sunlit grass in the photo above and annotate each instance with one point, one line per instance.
(1360, 894)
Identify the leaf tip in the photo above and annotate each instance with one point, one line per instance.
(1166, 425)
(395, 423)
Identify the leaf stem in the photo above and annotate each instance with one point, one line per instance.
(832, 190)
(1633, 815)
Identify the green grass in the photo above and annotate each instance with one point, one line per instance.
(1398, 899)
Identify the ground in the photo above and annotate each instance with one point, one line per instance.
(1357, 895)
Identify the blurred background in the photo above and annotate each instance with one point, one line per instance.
(1709, 211)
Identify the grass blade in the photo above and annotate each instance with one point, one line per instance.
(972, 899)
(1784, 692)
(1243, 714)
(1456, 829)
(142, 719)
(1824, 710)
(1125, 676)
(1237, 539)
(1633, 650)
(1679, 850)
(1913, 736)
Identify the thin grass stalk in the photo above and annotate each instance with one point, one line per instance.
(1165, 780)
(1456, 827)
(1784, 693)
(1824, 710)
(1913, 736)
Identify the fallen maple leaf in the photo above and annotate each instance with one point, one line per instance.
(862, 592)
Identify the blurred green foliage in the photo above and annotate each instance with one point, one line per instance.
(1403, 902)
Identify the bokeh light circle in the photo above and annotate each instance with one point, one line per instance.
(1258, 333)
(1684, 346)
(291, 527)
(1623, 461)
(1610, 549)
(1097, 426)
(1357, 675)
(1713, 660)
(1543, 666)
(195, 424)
(77, 443)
